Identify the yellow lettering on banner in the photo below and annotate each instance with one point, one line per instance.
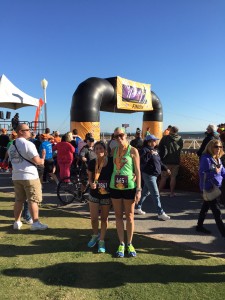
(136, 106)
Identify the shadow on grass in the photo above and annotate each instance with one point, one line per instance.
(59, 240)
(114, 274)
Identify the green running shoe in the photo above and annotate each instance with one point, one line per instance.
(101, 247)
(120, 251)
(131, 251)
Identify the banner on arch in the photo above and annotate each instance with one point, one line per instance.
(132, 95)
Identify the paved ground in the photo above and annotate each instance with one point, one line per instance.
(183, 209)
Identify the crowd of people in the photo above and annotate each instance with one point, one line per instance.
(120, 173)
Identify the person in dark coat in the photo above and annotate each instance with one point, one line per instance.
(137, 142)
(15, 121)
(211, 133)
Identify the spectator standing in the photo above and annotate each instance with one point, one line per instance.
(57, 138)
(86, 155)
(167, 130)
(47, 132)
(210, 134)
(112, 143)
(137, 142)
(75, 142)
(151, 167)
(45, 152)
(15, 121)
(211, 171)
(4, 140)
(148, 132)
(64, 155)
(170, 148)
(25, 177)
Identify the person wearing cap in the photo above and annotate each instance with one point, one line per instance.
(151, 167)
(210, 134)
(137, 142)
(87, 153)
(170, 148)
(65, 153)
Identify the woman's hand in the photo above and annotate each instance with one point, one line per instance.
(93, 185)
(168, 172)
(137, 197)
(218, 170)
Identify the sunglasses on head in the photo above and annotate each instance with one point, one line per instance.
(120, 135)
(217, 146)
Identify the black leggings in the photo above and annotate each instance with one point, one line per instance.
(213, 205)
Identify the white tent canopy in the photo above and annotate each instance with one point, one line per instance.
(13, 98)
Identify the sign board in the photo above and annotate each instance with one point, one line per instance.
(132, 95)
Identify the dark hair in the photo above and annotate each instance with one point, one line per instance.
(100, 143)
(75, 131)
(88, 135)
(63, 138)
(47, 130)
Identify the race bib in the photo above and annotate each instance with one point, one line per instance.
(103, 187)
(121, 182)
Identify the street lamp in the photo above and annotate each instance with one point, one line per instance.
(44, 84)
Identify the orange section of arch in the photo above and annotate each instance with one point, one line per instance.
(85, 127)
(156, 128)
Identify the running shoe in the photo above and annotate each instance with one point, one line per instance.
(120, 251)
(17, 225)
(101, 247)
(131, 251)
(38, 226)
(93, 241)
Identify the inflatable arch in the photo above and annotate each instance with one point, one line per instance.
(96, 94)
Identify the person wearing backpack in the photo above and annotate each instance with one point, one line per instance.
(170, 147)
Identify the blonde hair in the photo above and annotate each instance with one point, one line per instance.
(69, 137)
(119, 128)
(210, 146)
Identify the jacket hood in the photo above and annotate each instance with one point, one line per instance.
(175, 136)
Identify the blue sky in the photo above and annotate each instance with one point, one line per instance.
(176, 46)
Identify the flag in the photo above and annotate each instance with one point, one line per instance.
(37, 114)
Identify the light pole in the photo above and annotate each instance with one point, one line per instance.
(44, 84)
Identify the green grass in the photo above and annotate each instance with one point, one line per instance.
(56, 264)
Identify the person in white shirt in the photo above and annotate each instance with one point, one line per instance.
(24, 156)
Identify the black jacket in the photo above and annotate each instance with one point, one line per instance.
(208, 138)
(151, 163)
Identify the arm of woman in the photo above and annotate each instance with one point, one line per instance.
(93, 185)
(136, 160)
(91, 172)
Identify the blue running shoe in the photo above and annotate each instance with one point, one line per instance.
(101, 247)
(120, 251)
(93, 241)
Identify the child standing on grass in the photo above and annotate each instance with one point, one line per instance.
(99, 174)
